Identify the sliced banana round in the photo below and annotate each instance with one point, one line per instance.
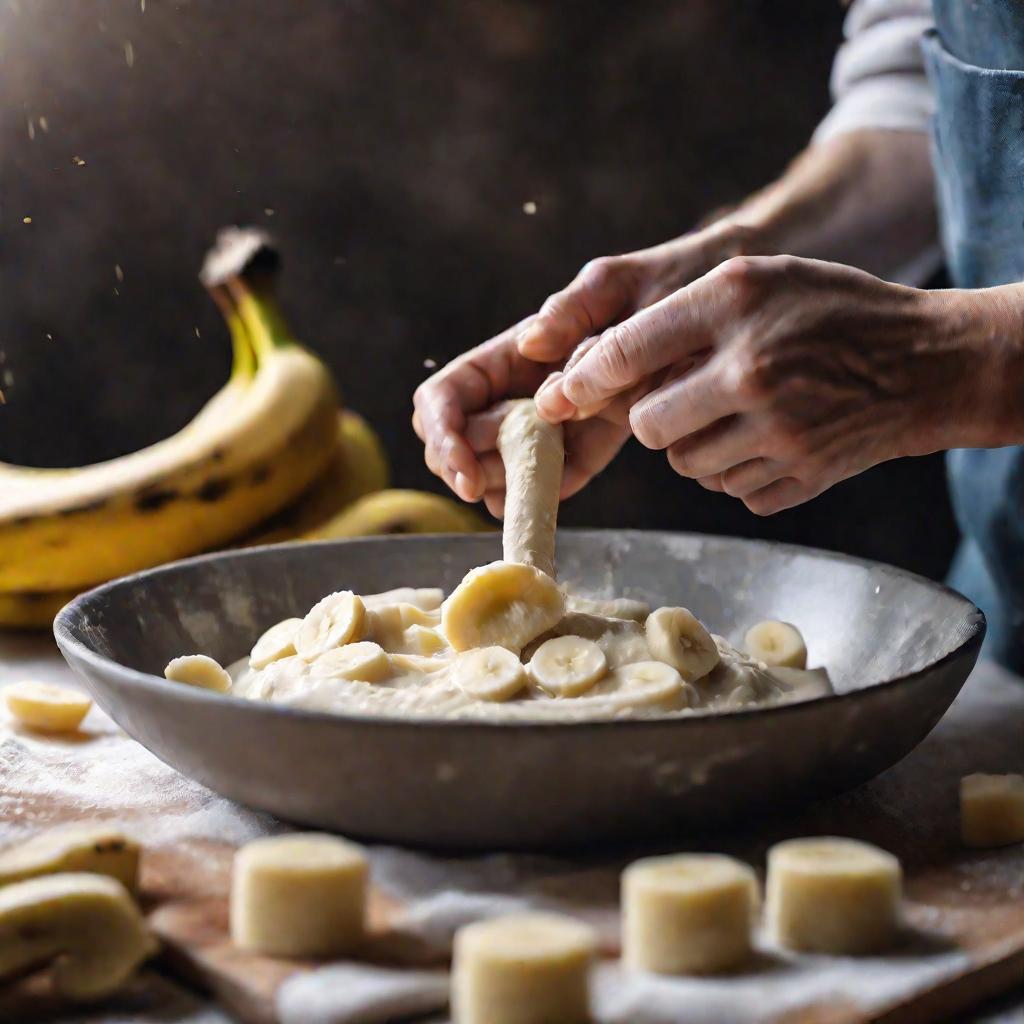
(490, 673)
(45, 706)
(426, 641)
(828, 894)
(777, 644)
(506, 604)
(85, 925)
(427, 599)
(331, 622)
(644, 684)
(198, 670)
(677, 637)
(363, 661)
(567, 666)
(277, 642)
(522, 969)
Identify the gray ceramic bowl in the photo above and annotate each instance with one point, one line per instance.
(898, 647)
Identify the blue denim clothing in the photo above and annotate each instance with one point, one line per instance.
(975, 61)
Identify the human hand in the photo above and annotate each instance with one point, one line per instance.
(783, 376)
(454, 409)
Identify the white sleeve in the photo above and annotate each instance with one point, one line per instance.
(878, 78)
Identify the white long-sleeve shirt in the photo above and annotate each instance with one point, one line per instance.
(878, 78)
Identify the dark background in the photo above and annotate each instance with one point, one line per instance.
(390, 146)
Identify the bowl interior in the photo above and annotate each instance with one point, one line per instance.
(867, 623)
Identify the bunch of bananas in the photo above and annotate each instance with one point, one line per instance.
(271, 457)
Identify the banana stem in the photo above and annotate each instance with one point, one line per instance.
(243, 356)
(263, 321)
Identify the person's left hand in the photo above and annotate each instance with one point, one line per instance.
(781, 376)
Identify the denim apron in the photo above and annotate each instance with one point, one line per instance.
(975, 60)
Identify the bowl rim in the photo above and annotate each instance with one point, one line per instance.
(73, 647)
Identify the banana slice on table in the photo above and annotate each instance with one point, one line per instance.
(833, 895)
(97, 849)
(45, 706)
(776, 644)
(644, 684)
(567, 666)
(198, 670)
(331, 622)
(85, 925)
(363, 661)
(523, 969)
(687, 914)
(504, 604)
(300, 895)
(991, 809)
(677, 637)
(277, 642)
(490, 673)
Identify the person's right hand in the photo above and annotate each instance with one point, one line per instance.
(457, 410)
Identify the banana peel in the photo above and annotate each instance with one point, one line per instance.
(398, 512)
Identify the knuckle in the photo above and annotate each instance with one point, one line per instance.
(614, 352)
(597, 273)
(751, 372)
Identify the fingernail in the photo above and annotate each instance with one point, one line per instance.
(528, 338)
(463, 487)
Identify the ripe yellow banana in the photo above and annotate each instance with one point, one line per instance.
(252, 450)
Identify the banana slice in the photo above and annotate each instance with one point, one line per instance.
(687, 914)
(490, 673)
(278, 642)
(991, 809)
(644, 684)
(301, 895)
(424, 640)
(198, 670)
(85, 925)
(803, 683)
(522, 969)
(97, 849)
(678, 638)
(831, 895)
(386, 623)
(613, 608)
(363, 661)
(331, 622)
(776, 644)
(567, 666)
(47, 707)
(426, 598)
(418, 663)
(504, 604)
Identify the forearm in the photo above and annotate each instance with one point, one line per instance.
(864, 198)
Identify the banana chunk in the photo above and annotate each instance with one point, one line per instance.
(276, 643)
(97, 849)
(644, 684)
(47, 707)
(522, 969)
(677, 637)
(991, 809)
(831, 895)
(198, 670)
(386, 624)
(611, 608)
(363, 661)
(300, 895)
(803, 683)
(776, 644)
(331, 622)
(504, 604)
(85, 925)
(427, 599)
(567, 666)
(687, 914)
(490, 673)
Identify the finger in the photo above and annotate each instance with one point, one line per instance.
(495, 502)
(599, 295)
(780, 495)
(716, 448)
(482, 429)
(711, 483)
(751, 476)
(682, 407)
(494, 471)
(417, 426)
(673, 329)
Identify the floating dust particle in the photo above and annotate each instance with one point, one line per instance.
(268, 210)
(118, 272)
(529, 208)
(78, 161)
(142, 6)
(26, 220)
(129, 54)
(429, 364)
(49, 337)
(44, 124)
(8, 379)
(196, 329)
(31, 129)
(116, 292)
(3, 397)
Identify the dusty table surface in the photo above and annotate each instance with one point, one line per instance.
(155, 998)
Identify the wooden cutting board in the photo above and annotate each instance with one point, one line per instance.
(965, 910)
